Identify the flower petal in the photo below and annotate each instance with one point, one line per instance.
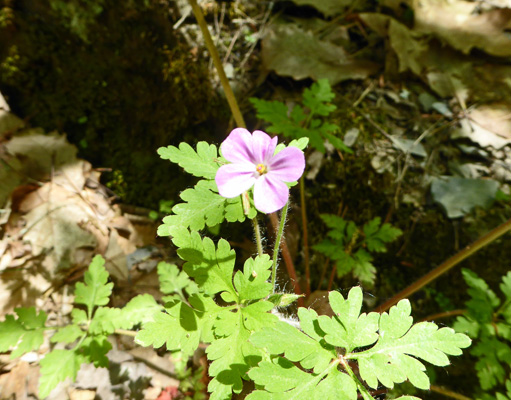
(234, 179)
(237, 147)
(263, 147)
(270, 194)
(288, 165)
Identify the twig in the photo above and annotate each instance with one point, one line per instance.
(233, 104)
(238, 117)
(448, 393)
(447, 265)
(305, 237)
(445, 314)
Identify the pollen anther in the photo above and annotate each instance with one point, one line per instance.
(261, 168)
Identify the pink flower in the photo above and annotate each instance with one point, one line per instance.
(253, 163)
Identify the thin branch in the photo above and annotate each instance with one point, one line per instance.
(448, 393)
(231, 99)
(305, 237)
(447, 265)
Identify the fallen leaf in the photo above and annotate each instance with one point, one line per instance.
(291, 51)
(459, 196)
(464, 26)
(20, 382)
(488, 125)
(327, 7)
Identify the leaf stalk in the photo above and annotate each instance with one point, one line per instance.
(276, 248)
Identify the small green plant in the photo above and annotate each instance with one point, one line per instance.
(86, 336)
(488, 322)
(350, 247)
(236, 313)
(308, 120)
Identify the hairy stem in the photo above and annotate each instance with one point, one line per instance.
(447, 265)
(231, 99)
(276, 248)
(305, 237)
(257, 231)
(363, 390)
(286, 255)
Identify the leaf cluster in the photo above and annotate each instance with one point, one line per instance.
(202, 205)
(306, 120)
(488, 322)
(198, 318)
(351, 247)
(88, 330)
(387, 349)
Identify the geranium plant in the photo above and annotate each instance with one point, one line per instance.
(239, 314)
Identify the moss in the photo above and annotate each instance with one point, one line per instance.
(120, 83)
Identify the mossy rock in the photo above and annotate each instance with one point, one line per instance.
(115, 77)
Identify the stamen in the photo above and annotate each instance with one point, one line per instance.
(261, 168)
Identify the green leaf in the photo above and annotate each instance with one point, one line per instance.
(172, 280)
(178, 328)
(106, 320)
(95, 348)
(348, 328)
(67, 334)
(483, 300)
(296, 346)
(96, 291)
(232, 357)
(204, 206)
(337, 142)
(211, 267)
(56, 367)
(202, 163)
(24, 334)
(252, 283)
(140, 310)
(257, 315)
(348, 333)
(318, 97)
(276, 113)
(390, 360)
(79, 316)
(377, 234)
(284, 381)
(363, 268)
(493, 360)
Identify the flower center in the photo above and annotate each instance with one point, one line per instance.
(261, 168)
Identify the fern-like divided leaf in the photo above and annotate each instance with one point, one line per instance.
(184, 324)
(302, 122)
(204, 206)
(346, 245)
(24, 334)
(202, 163)
(488, 322)
(96, 291)
(56, 367)
(327, 344)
